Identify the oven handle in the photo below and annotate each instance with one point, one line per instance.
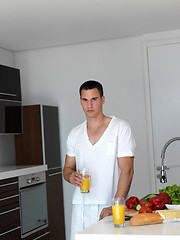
(30, 187)
(53, 174)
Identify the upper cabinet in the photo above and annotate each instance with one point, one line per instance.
(10, 87)
(40, 142)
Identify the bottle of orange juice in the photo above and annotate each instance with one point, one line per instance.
(118, 210)
(85, 187)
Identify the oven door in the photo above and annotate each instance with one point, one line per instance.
(33, 207)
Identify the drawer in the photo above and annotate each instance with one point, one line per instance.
(12, 234)
(9, 180)
(9, 217)
(6, 189)
(40, 235)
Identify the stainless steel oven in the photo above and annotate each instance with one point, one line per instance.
(33, 203)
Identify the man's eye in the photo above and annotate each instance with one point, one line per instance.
(84, 100)
(94, 99)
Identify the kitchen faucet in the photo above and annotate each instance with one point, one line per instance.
(163, 175)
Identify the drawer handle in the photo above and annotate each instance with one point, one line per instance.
(14, 209)
(8, 184)
(14, 229)
(53, 174)
(6, 198)
(42, 235)
(8, 94)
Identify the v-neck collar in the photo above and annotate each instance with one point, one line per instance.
(102, 136)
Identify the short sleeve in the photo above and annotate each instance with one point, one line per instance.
(126, 141)
(70, 146)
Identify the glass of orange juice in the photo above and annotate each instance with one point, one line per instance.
(118, 210)
(85, 187)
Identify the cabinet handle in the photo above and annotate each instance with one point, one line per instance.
(14, 229)
(8, 184)
(14, 209)
(42, 235)
(8, 94)
(53, 174)
(2, 199)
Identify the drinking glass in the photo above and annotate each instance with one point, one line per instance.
(118, 209)
(85, 187)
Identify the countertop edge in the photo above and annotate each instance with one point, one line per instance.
(16, 171)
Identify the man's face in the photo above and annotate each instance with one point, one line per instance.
(91, 102)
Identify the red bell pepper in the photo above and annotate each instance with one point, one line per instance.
(158, 203)
(166, 197)
(130, 202)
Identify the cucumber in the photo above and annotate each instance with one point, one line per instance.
(137, 207)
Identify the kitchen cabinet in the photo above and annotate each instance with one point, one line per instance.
(10, 87)
(55, 204)
(40, 144)
(9, 209)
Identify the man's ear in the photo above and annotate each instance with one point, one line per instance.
(103, 99)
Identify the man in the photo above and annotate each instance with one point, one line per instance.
(104, 145)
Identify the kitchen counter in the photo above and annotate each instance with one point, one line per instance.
(16, 171)
(105, 229)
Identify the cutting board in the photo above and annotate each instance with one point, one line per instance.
(130, 212)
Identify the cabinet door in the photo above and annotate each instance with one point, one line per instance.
(29, 145)
(55, 204)
(10, 87)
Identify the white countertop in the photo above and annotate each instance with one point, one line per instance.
(15, 171)
(105, 229)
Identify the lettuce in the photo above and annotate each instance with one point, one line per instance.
(174, 193)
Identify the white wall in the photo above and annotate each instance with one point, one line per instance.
(7, 149)
(53, 76)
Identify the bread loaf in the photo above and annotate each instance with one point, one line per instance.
(145, 218)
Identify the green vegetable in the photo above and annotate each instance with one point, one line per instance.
(149, 197)
(174, 193)
(137, 207)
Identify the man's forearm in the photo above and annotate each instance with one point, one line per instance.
(124, 183)
(67, 171)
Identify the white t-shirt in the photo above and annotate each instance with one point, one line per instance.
(100, 159)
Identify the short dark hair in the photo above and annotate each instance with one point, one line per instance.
(90, 84)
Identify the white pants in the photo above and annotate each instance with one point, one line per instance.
(84, 216)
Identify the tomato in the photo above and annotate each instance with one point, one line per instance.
(148, 205)
(145, 210)
(142, 203)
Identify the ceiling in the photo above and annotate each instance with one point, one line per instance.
(32, 24)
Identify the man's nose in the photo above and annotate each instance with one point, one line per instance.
(89, 104)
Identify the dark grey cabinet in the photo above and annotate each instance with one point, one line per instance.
(10, 86)
(55, 204)
(9, 210)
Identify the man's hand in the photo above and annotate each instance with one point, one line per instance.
(105, 212)
(76, 179)
(69, 172)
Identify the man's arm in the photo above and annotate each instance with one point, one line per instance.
(126, 165)
(69, 172)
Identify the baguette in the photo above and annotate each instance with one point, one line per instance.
(145, 218)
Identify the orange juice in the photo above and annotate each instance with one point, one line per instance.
(85, 185)
(118, 214)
